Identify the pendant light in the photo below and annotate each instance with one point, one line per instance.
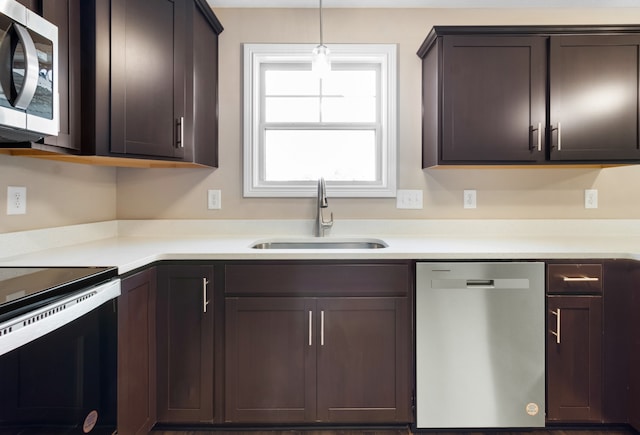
(321, 63)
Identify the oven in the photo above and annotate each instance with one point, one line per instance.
(58, 350)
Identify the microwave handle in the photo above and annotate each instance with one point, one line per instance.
(24, 97)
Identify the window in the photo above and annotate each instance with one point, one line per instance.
(299, 127)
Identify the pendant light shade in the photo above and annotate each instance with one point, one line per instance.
(321, 63)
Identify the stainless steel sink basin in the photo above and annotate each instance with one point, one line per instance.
(320, 244)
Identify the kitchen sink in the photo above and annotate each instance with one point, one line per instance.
(319, 243)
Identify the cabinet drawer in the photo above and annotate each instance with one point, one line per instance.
(317, 279)
(574, 278)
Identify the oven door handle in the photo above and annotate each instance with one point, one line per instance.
(34, 324)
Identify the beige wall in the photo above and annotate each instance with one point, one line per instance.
(502, 193)
(57, 193)
(65, 194)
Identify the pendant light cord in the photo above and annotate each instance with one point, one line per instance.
(321, 40)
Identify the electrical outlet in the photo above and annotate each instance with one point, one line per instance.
(469, 199)
(409, 199)
(16, 200)
(591, 198)
(214, 199)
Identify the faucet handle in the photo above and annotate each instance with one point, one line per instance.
(329, 223)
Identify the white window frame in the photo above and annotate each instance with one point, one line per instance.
(253, 161)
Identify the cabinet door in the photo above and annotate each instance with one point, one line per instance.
(634, 391)
(270, 360)
(147, 77)
(136, 353)
(201, 125)
(185, 343)
(594, 97)
(574, 358)
(363, 360)
(66, 15)
(493, 99)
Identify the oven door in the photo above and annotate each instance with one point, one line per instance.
(63, 382)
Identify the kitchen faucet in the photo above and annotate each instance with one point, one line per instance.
(321, 224)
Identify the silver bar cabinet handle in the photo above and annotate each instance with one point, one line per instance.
(310, 328)
(205, 301)
(322, 328)
(557, 333)
(539, 136)
(180, 125)
(559, 136)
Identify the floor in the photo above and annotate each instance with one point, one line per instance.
(339, 432)
(616, 431)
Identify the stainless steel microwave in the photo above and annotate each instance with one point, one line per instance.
(29, 101)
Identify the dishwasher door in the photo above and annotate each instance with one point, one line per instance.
(480, 353)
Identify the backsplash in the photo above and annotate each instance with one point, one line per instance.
(61, 194)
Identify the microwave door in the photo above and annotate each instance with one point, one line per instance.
(42, 112)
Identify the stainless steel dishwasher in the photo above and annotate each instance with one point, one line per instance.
(480, 353)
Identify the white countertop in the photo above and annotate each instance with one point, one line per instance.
(129, 245)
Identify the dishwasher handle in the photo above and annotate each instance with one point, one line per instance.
(481, 283)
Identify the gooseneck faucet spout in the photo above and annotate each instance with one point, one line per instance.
(321, 224)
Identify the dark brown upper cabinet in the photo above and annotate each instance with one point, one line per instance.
(530, 95)
(151, 81)
(593, 97)
(492, 98)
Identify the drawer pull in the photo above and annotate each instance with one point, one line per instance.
(557, 332)
(580, 279)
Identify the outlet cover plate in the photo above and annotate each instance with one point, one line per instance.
(409, 199)
(591, 198)
(469, 199)
(214, 199)
(16, 200)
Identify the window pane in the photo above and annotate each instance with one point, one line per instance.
(290, 83)
(300, 155)
(350, 83)
(283, 109)
(350, 109)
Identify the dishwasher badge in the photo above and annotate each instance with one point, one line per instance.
(532, 409)
(90, 421)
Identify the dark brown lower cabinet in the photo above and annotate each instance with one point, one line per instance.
(363, 350)
(634, 391)
(270, 360)
(185, 357)
(574, 358)
(136, 353)
(330, 360)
